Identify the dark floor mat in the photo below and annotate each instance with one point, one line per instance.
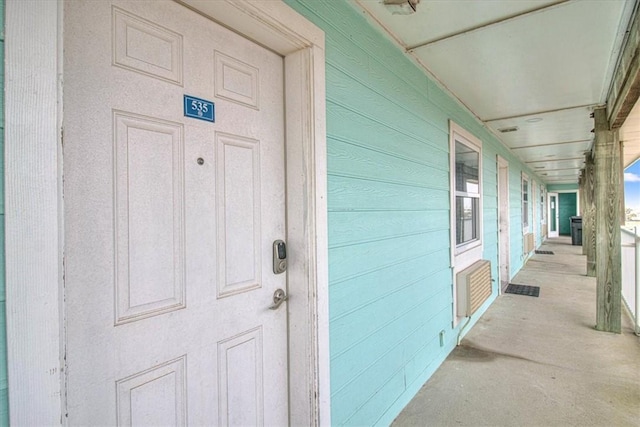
(545, 252)
(530, 291)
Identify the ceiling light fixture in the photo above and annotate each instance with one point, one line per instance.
(534, 120)
(401, 7)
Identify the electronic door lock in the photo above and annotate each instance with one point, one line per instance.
(279, 257)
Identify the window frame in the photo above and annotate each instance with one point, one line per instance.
(543, 211)
(525, 204)
(466, 253)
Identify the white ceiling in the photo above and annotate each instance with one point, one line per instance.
(540, 66)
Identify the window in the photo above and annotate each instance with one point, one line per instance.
(543, 205)
(525, 203)
(466, 191)
(466, 202)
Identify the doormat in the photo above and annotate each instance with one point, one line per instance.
(544, 252)
(530, 291)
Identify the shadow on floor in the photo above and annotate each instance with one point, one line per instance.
(537, 361)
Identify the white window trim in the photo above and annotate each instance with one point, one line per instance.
(465, 254)
(543, 205)
(525, 177)
(533, 194)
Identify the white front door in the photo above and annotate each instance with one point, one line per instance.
(534, 216)
(170, 220)
(503, 221)
(554, 210)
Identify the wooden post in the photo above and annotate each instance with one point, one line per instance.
(607, 201)
(623, 212)
(582, 207)
(589, 216)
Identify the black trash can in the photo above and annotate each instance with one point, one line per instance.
(576, 230)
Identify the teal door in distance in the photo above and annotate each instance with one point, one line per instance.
(566, 209)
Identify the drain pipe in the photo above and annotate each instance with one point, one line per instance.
(637, 290)
(462, 329)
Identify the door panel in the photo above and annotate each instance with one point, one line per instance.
(149, 220)
(169, 220)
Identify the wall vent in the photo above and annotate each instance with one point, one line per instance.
(529, 243)
(401, 7)
(473, 287)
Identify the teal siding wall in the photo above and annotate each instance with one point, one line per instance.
(390, 282)
(4, 400)
(516, 231)
(539, 211)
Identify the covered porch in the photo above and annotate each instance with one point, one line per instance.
(537, 361)
(384, 114)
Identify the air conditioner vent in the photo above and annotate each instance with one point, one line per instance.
(473, 287)
(529, 243)
(509, 129)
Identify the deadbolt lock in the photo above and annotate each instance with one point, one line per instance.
(279, 257)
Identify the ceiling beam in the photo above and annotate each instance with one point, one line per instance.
(580, 141)
(537, 113)
(560, 175)
(556, 170)
(560, 178)
(488, 24)
(625, 85)
(555, 160)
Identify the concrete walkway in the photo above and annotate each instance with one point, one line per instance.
(537, 361)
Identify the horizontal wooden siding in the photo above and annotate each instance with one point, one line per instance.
(390, 287)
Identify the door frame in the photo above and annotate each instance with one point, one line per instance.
(550, 233)
(533, 201)
(503, 208)
(34, 202)
(577, 193)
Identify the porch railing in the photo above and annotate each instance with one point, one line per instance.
(631, 274)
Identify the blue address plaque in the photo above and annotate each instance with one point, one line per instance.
(199, 108)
